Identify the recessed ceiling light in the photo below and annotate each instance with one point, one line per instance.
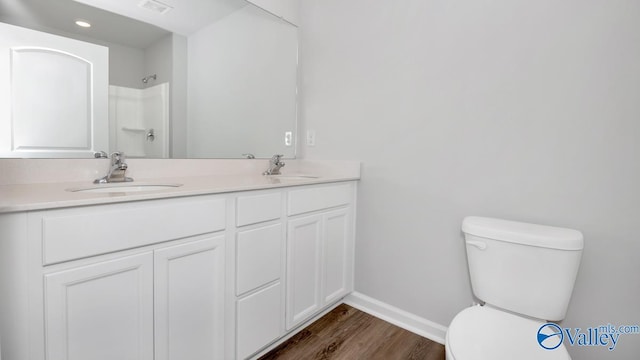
(83, 23)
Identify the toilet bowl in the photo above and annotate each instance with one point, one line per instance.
(482, 332)
(524, 274)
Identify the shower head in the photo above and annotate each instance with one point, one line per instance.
(147, 78)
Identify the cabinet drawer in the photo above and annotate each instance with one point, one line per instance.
(318, 198)
(259, 320)
(81, 232)
(259, 257)
(253, 209)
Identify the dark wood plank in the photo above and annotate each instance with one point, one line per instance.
(346, 333)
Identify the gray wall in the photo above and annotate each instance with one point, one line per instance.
(158, 59)
(179, 97)
(524, 110)
(242, 86)
(126, 65)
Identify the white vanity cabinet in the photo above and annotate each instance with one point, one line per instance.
(320, 245)
(169, 301)
(259, 270)
(201, 277)
(294, 259)
(139, 280)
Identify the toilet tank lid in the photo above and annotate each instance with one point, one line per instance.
(523, 233)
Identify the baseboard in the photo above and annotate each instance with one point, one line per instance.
(406, 320)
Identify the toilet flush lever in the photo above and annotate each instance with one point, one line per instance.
(479, 244)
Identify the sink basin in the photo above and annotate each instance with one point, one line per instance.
(294, 177)
(120, 188)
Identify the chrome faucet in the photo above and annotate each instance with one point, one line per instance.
(116, 170)
(274, 165)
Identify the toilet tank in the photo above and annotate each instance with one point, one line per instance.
(524, 268)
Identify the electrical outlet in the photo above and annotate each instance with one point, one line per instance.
(288, 136)
(311, 138)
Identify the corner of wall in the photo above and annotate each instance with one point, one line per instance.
(406, 320)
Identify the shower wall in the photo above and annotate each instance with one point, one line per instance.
(139, 121)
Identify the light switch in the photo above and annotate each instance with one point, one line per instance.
(311, 137)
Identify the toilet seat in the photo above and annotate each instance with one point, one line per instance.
(486, 333)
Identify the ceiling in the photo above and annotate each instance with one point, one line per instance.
(185, 16)
(133, 29)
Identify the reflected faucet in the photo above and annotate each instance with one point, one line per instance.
(274, 165)
(100, 155)
(116, 170)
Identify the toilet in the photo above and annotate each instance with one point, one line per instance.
(523, 274)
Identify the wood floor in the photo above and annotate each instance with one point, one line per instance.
(346, 333)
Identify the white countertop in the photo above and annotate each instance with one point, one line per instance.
(40, 196)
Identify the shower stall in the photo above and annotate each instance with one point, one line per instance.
(139, 121)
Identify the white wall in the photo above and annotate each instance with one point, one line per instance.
(242, 86)
(525, 110)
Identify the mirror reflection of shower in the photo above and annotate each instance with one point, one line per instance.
(150, 77)
(139, 120)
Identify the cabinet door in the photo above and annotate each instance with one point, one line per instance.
(102, 311)
(337, 256)
(189, 300)
(304, 252)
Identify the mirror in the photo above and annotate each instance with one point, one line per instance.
(210, 79)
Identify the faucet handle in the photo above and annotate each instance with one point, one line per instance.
(117, 157)
(100, 155)
(276, 158)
